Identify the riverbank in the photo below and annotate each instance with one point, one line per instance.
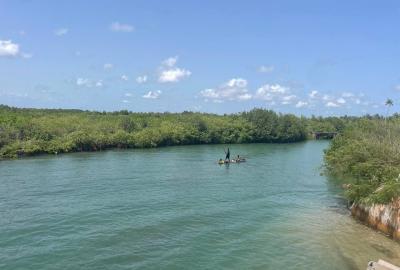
(367, 157)
(28, 132)
(382, 217)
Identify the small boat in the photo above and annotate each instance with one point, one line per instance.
(238, 160)
(231, 161)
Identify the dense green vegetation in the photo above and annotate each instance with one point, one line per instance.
(33, 131)
(367, 155)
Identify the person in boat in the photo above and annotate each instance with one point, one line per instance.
(228, 155)
(220, 161)
(240, 159)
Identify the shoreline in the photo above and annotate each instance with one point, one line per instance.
(384, 218)
(23, 156)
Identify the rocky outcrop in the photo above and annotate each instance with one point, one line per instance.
(382, 265)
(383, 217)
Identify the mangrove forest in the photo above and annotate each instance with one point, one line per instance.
(25, 132)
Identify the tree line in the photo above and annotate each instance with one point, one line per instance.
(25, 132)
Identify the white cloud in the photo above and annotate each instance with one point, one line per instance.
(170, 62)
(210, 93)
(125, 101)
(124, 78)
(173, 75)
(301, 104)
(99, 83)
(85, 82)
(286, 100)
(275, 88)
(245, 97)
(289, 98)
(347, 95)
(61, 31)
(128, 94)
(326, 97)
(120, 27)
(266, 69)
(170, 73)
(331, 104)
(270, 91)
(234, 89)
(82, 81)
(341, 101)
(8, 48)
(108, 66)
(313, 94)
(152, 94)
(141, 79)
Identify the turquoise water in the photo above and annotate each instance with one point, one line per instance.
(175, 208)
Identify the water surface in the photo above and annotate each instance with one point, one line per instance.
(175, 208)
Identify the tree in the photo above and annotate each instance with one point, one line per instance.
(388, 104)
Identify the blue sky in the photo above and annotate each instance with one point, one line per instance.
(302, 57)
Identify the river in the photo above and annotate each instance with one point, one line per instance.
(175, 208)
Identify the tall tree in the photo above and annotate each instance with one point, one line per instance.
(388, 104)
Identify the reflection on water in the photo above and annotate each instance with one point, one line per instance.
(175, 208)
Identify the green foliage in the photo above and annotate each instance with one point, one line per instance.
(267, 126)
(368, 152)
(32, 131)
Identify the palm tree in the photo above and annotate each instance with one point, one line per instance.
(388, 103)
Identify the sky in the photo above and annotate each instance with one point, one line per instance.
(301, 57)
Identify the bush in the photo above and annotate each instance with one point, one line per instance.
(368, 153)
